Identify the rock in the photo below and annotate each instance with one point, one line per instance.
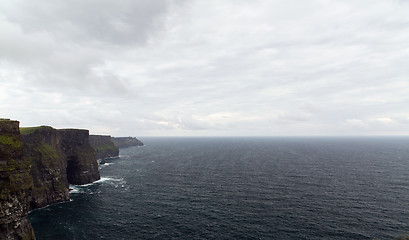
(104, 147)
(36, 168)
(124, 142)
(16, 184)
(42, 147)
(82, 166)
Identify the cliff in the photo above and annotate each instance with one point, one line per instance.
(16, 184)
(123, 142)
(82, 166)
(42, 148)
(104, 146)
(36, 167)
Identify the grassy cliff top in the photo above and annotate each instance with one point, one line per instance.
(6, 121)
(30, 130)
(72, 129)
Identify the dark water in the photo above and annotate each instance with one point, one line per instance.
(242, 188)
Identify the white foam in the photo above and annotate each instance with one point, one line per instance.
(103, 179)
(116, 182)
(106, 179)
(85, 185)
(74, 189)
(104, 165)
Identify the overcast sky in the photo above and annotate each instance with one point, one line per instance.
(207, 68)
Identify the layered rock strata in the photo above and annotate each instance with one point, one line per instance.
(42, 148)
(104, 146)
(82, 166)
(16, 184)
(36, 168)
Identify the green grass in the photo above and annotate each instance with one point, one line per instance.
(106, 147)
(10, 141)
(46, 151)
(42, 153)
(16, 183)
(13, 165)
(30, 130)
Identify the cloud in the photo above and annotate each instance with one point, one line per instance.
(358, 123)
(64, 45)
(99, 22)
(207, 67)
(385, 120)
(391, 125)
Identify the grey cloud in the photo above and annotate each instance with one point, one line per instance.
(63, 45)
(117, 22)
(207, 67)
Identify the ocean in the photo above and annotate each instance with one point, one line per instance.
(241, 188)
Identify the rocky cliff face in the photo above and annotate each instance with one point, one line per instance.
(42, 148)
(35, 170)
(104, 146)
(15, 184)
(123, 142)
(82, 166)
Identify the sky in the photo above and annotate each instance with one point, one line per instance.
(207, 68)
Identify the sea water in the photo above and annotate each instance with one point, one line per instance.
(241, 188)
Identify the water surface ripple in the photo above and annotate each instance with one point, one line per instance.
(241, 188)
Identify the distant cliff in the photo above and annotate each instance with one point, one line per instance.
(104, 146)
(36, 167)
(123, 142)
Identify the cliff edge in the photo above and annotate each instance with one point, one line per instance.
(104, 146)
(124, 142)
(36, 167)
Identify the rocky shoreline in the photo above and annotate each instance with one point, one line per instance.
(37, 165)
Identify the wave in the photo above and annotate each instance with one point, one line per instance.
(104, 165)
(116, 182)
(101, 180)
(107, 179)
(74, 189)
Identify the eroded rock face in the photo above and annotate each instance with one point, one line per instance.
(104, 146)
(36, 167)
(15, 184)
(42, 148)
(82, 166)
(124, 142)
